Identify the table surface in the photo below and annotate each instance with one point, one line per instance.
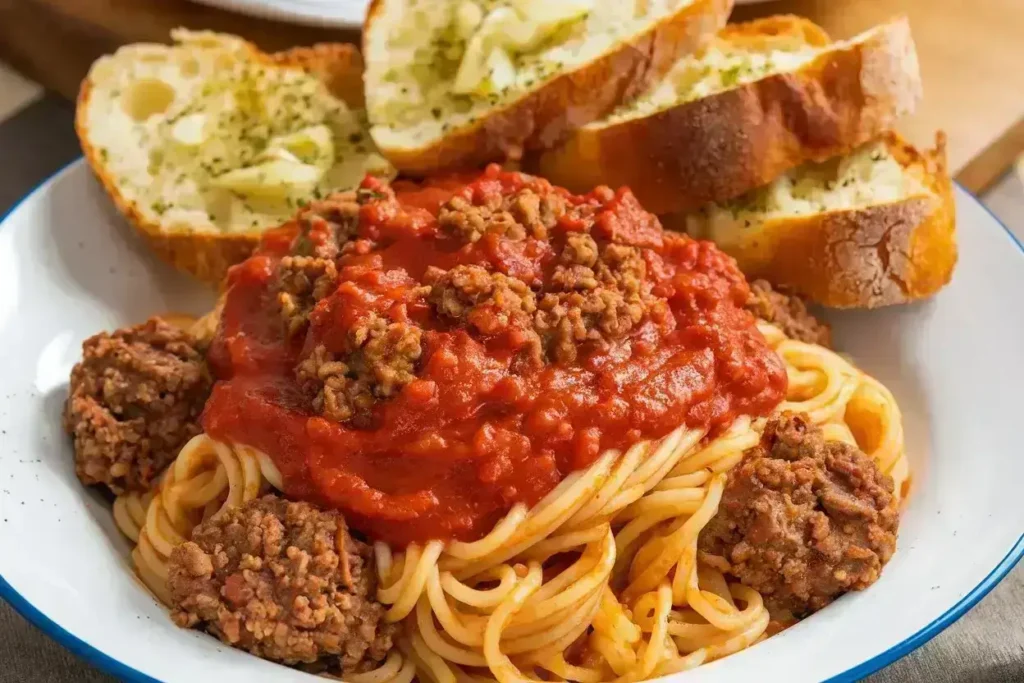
(970, 54)
(986, 646)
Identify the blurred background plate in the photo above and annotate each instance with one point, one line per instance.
(339, 13)
(336, 13)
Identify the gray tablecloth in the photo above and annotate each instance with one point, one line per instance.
(985, 646)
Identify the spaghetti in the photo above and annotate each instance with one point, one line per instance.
(606, 563)
(206, 477)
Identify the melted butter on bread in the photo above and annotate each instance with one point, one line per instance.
(205, 136)
(445, 65)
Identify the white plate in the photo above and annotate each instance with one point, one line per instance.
(70, 267)
(336, 13)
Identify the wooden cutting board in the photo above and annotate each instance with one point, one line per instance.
(972, 56)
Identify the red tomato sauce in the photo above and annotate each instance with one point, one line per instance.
(473, 435)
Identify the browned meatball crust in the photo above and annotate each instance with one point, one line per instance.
(789, 313)
(802, 520)
(285, 581)
(135, 399)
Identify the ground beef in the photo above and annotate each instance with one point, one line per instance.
(310, 272)
(135, 399)
(596, 291)
(491, 303)
(789, 313)
(802, 520)
(598, 294)
(569, 320)
(380, 360)
(326, 225)
(516, 216)
(580, 250)
(538, 214)
(303, 280)
(284, 581)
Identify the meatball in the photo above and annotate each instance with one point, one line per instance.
(135, 399)
(284, 581)
(787, 312)
(802, 520)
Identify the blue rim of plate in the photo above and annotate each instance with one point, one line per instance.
(114, 667)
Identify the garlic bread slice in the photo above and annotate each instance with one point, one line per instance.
(873, 228)
(763, 97)
(206, 143)
(456, 83)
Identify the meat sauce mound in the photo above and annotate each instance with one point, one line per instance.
(423, 357)
(284, 581)
(135, 399)
(802, 520)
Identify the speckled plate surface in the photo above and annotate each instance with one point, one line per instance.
(70, 267)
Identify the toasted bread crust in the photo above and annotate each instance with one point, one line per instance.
(544, 117)
(718, 147)
(863, 258)
(760, 33)
(338, 65)
(208, 255)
